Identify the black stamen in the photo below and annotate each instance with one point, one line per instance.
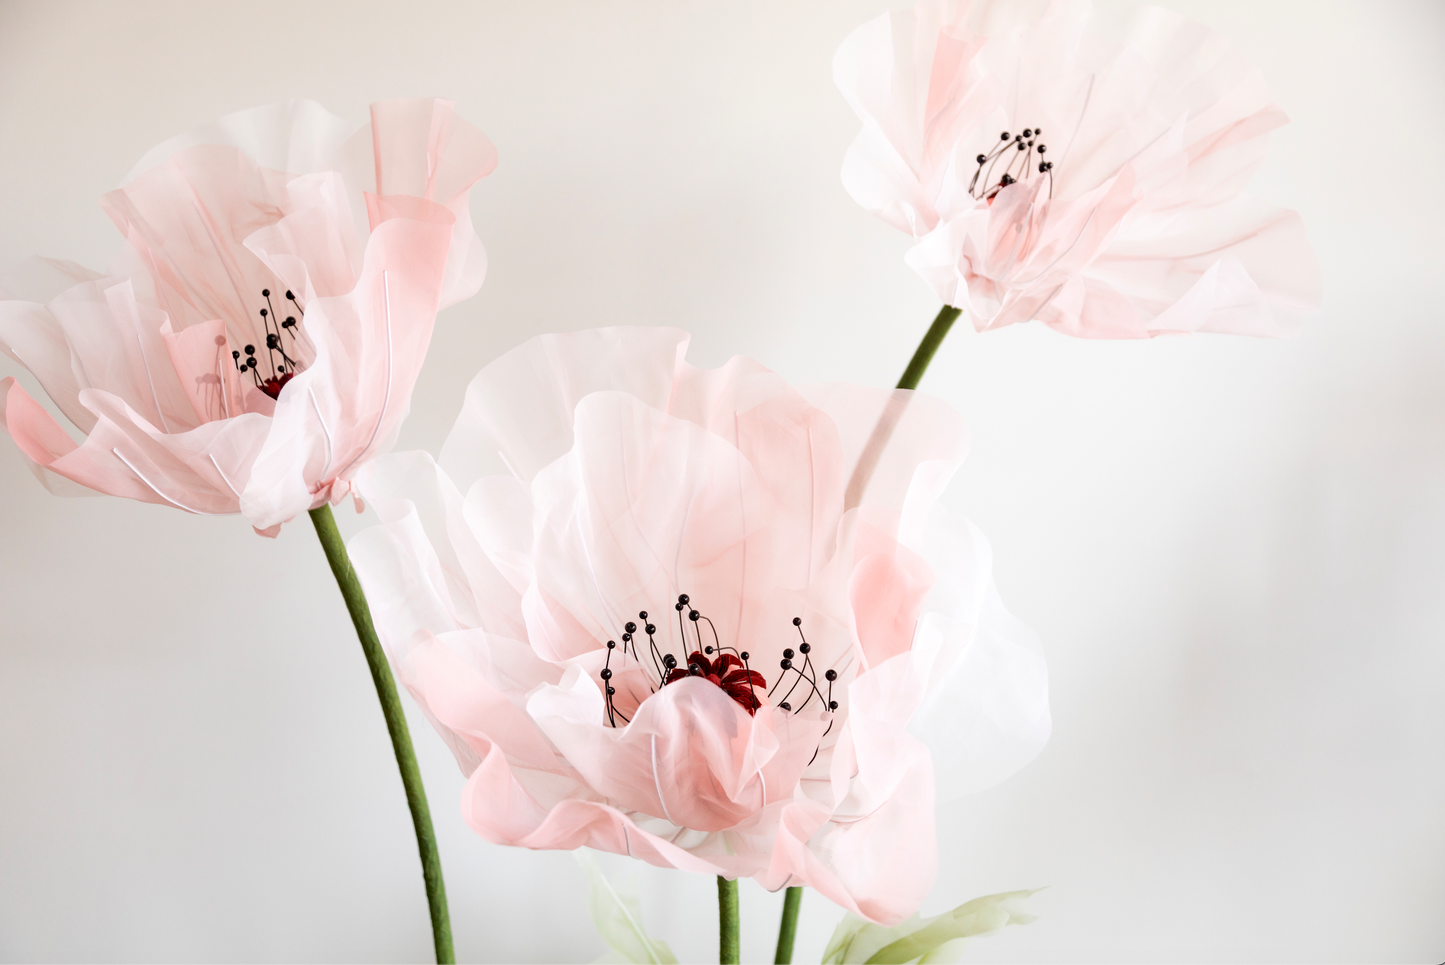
(1018, 166)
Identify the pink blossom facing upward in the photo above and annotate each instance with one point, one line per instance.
(640, 604)
(258, 337)
(1051, 168)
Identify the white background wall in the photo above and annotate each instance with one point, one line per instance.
(1234, 550)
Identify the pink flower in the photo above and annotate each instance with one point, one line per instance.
(636, 605)
(250, 349)
(1050, 169)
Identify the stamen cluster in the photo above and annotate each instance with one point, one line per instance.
(1019, 166)
(806, 674)
(728, 669)
(278, 374)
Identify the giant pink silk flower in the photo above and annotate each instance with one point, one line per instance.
(1051, 168)
(258, 338)
(633, 601)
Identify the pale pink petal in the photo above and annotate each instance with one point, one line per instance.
(418, 147)
(315, 248)
(1244, 268)
(200, 358)
(501, 810)
(370, 345)
(444, 579)
(124, 455)
(643, 508)
(458, 694)
(517, 416)
(909, 76)
(39, 438)
(298, 136)
(886, 591)
(985, 713)
(188, 219)
(882, 863)
(691, 756)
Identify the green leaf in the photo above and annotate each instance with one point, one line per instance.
(618, 918)
(925, 940)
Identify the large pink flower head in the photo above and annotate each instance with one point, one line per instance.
(1052, 168)
(259, 335)
(640, 604)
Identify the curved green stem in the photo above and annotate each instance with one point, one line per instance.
(426, 842)
(917, 365)
(727, 921)
(788, 930)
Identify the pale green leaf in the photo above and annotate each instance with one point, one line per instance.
(928, 940)
(618, 918)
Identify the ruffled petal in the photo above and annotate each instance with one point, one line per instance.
(910, 77)
(517, 416)
(424, 567)
(419, 147)
(370, 345)
(691, 755)
(983, 682)
(297, 136)
(124, 455)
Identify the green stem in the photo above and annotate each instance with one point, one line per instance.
(426, 842)
(888, 418)
(727, 921)
(917, 365)
(788, 930)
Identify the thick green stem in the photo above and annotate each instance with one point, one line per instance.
(727, 921)
(917, 365)
(788, 930)
(426, 842)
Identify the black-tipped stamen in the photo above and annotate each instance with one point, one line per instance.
(276, 332)
(822, 738)
(716, 642)
(267, 314)
(830, 676)
(610, 691)
(806, 674)
(993, 157)
(1020, 165)
(749, 671)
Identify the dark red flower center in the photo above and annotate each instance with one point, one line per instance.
(727, 672)
(706, 657)
(273, 387)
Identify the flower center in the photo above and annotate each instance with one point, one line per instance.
(281, 367)
(1018, 156)
(725, 667)
(729, 671)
